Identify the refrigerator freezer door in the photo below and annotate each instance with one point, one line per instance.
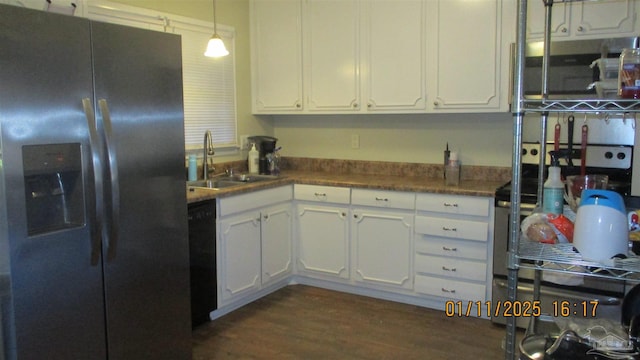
(55, 306)
(138, 84)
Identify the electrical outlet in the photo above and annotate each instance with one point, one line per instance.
(355, 141)
(244, 142)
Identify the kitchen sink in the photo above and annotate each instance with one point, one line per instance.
(227, 181)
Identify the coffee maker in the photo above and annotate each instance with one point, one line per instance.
(265, 146)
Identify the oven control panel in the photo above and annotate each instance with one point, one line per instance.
(600, 156)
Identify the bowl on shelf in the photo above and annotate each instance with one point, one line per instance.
(576, 183)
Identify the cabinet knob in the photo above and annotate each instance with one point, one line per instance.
(448, 291)
(355, 216)
(580, 29)
(436, 103)
(266, 217)
(449, 229)
(450, 205)
(344, 214)
(320, 194)
(369, 105)
(447, 269)
(355, 105)
(449, 249)
(381, 199)
(564, 30)
(298, 105)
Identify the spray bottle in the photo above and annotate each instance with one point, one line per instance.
(553, 192)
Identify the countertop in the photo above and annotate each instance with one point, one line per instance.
(362, 181)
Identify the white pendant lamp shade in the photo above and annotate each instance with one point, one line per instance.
(215, 47)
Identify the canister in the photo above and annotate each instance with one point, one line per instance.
(629, 74)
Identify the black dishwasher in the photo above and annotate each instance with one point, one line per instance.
(202, 256)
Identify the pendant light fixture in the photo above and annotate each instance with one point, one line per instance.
(215, 47)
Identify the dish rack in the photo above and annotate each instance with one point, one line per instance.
(550, 257)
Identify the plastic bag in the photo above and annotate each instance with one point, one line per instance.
(562, 224)
(536, 228)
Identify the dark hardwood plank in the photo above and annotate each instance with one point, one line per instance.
(303, 322)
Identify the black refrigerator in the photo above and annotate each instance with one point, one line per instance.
(94, 254)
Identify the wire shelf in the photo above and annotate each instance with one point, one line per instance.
(582, 106)
(563, 258)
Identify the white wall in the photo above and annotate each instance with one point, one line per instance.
(480, 139)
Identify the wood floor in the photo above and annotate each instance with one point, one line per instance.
(303, 322)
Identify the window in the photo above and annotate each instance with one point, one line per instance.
(209, 88)
(208, 83)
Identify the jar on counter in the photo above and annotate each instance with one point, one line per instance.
(629, 74)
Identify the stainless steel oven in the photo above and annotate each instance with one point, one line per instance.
(611, 159)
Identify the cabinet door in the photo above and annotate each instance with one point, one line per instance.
(465, 44)
(603, 17)
(276, 243)
(276, 56)
(382, 247)
(332, 49)
(393, 67)
(240, 255)
(323, 240)
(582, 19)
(536, 20)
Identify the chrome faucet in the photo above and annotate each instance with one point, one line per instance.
(208, 151)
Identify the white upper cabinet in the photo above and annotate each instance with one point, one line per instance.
(588, 19)
(356, 56)
(393, 56)
(382, 56)
(276, 56)
(466, 71)
(331, 45)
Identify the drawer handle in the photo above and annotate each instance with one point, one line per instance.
(448, 291)
(447, 269)
(320, 194)
(450, 205)
(449, 249)
(381, 199)
(449, 229)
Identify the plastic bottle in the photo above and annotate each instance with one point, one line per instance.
(253, 159)
(193, 168)
(553, 200)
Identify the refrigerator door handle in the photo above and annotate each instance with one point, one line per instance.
(96, 236)
(112, 238)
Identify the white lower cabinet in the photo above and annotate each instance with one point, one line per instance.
(453, 243)
(381, 237)
(419, 248)
(240, 249)
(322, 225)
(277, 236)
(255, 242)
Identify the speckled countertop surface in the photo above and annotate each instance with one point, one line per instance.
(364, 181)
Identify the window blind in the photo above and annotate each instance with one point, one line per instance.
(209, 89)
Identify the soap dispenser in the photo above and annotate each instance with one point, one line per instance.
(253, 159)
(553, 192)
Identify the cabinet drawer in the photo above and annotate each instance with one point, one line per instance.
(382, 198)
(454, 204)
(452, 228)
(329, 194)
(451, 267)
(451, 289)
(254, 200)
(452, 248)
